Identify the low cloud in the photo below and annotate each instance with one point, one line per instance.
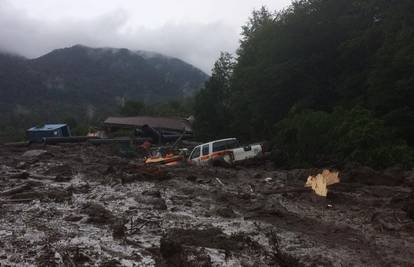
(196, 43)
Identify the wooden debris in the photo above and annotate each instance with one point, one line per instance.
(320, 182)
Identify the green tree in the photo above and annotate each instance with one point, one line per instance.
(211, 107)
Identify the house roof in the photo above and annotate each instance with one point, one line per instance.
(176, 124)
(47, 127)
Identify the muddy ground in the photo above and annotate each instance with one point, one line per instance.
(80, 205)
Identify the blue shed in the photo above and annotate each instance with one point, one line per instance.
(36, 134)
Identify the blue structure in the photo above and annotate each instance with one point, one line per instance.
(36, 134)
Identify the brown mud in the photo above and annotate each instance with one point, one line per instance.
(79, 205)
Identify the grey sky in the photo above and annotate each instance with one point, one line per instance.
(193, 30)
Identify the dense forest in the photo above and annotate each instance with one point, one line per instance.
(326, 81)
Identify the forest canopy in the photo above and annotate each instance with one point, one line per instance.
(326, 81)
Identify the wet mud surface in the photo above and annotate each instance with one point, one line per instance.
(78, 205)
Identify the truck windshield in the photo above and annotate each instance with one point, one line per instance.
(223, 145)
(196, 153)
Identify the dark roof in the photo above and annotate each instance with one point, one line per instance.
(176, 124)
(47, 127)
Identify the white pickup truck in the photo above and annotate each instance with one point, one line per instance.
(227, 150)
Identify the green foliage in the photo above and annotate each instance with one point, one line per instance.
(334, 76)
(316, 137)
(212, 102)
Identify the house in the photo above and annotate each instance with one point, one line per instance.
(162, 124)
(160, 129)
(37, 133)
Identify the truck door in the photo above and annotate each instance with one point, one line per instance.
(205, 150)
(195, 155)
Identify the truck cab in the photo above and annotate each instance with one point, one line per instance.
(228, 150)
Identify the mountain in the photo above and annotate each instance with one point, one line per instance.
(81, 81)
(108, 73)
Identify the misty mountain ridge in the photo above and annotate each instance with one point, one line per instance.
(97, 75)
(106, 73)
(88, 83)
(175, 78)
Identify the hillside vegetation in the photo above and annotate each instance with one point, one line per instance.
(326, 81)
(83, 85)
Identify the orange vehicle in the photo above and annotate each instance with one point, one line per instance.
(169, 159)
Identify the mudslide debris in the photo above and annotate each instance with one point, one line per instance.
(320, 182)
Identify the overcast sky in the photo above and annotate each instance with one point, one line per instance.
(193, 30)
